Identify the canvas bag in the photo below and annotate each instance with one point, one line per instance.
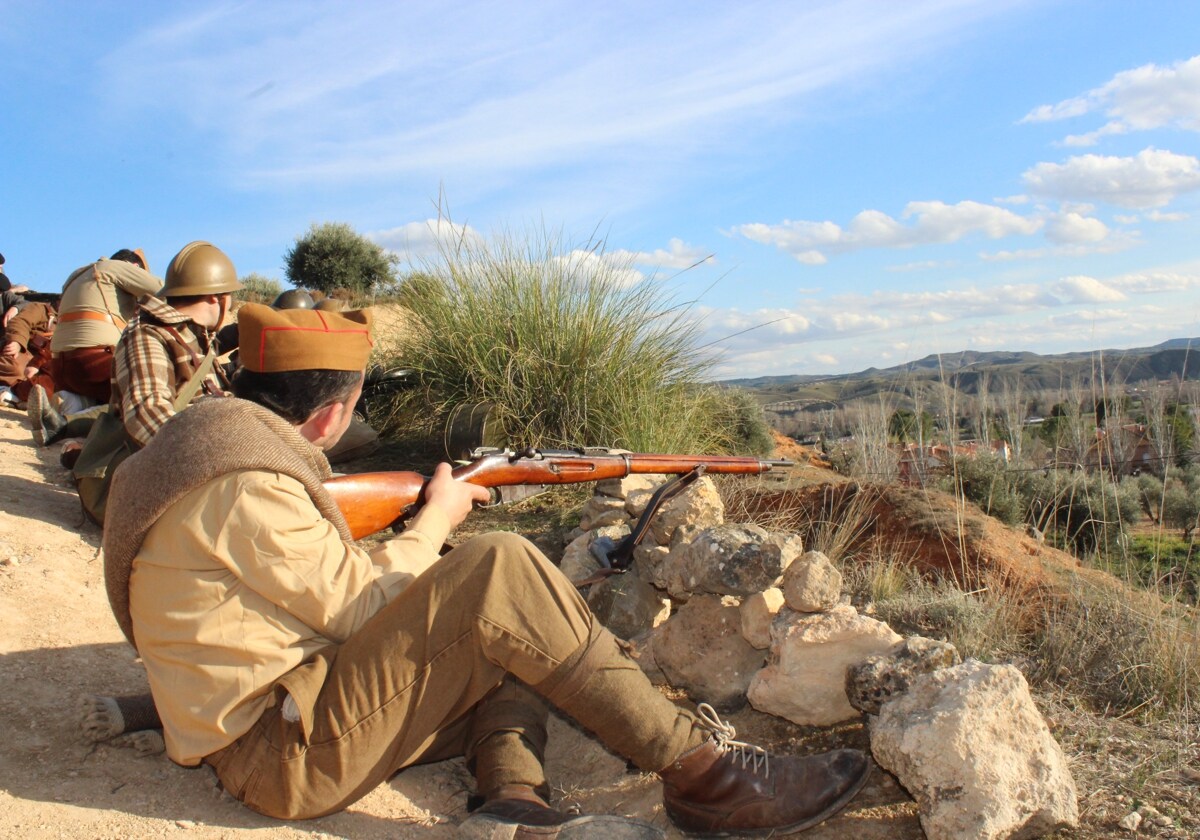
(107, 445)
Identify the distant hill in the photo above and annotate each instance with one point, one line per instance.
(1178, 357)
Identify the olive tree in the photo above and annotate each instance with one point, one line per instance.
(333, 256)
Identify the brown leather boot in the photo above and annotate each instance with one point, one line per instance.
(515, 812)
(725, 786)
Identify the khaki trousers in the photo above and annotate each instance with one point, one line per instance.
(431, 676)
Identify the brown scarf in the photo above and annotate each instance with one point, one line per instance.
(210, 439)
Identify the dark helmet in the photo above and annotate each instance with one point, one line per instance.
(293, 299)
(200, 269)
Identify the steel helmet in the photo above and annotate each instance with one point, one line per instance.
(330, 305)
(293, 299)
(200, 268)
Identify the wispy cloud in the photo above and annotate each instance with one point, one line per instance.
(362, 90)
(1141, 99)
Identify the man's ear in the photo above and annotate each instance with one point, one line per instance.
(323, 422)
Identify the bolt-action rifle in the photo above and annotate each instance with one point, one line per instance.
(373, 501)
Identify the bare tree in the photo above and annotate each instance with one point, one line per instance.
(1011, 408)
(876, 459)
(983, 405)
(1155, 401)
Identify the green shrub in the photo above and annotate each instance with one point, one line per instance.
(1163, 564)
(258, 288)
(737, 410)
(568, 350)
(1181, 509)
(984, 480)
(1085, 513)
(333, 256)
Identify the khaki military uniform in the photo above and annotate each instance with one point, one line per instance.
(97, 301)
(307, 671)
(30, 330)
(156, 357)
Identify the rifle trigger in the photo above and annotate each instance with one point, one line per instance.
(601, 548)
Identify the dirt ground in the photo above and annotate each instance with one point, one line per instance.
(60, 641)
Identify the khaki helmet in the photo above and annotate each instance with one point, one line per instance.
(330, 305)
(200, 268)
(293, 299)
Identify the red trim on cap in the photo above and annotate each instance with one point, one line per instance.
(262, 341)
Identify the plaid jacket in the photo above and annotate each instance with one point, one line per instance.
(155, 358)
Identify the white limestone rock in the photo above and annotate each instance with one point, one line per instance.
(622, 488)
(805, 677)
(701, 650)
(812, 584)
(971, 747)
(729, 560)
(600, 511)
(699, 505)
(648, 563)
(758, 611)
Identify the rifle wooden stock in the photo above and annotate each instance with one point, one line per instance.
(373, 501)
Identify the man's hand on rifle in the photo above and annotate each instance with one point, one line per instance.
(455, 498)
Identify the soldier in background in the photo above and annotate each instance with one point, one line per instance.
(97, 301)
(25, 349)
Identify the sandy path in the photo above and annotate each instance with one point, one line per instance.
(60, 641)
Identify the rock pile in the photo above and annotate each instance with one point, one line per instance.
(731, 613)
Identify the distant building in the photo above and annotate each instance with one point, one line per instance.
(1122, 450)
(918, 463)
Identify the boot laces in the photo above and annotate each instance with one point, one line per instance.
(723, 735)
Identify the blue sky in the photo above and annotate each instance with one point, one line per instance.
(869, 181)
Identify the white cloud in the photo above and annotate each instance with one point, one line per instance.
(825, 359)
(1155, 282)
(593, 264)
(1066, 109)
(422, 240)
(1083, 289)
(1151, 178)
(1092, 137)
(921, 265)
(1072, 228)
(932, 222)
(1159, 216)
(1114, 242)
(677, 255)
(1141, 99)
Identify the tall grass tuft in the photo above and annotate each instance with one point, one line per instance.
(571, 347)
(1124, 650)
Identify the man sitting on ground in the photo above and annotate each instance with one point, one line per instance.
(325, 669)
(25, 349)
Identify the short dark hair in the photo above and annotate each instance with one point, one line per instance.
(295, 394)
(188, 300)
(126, 255)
